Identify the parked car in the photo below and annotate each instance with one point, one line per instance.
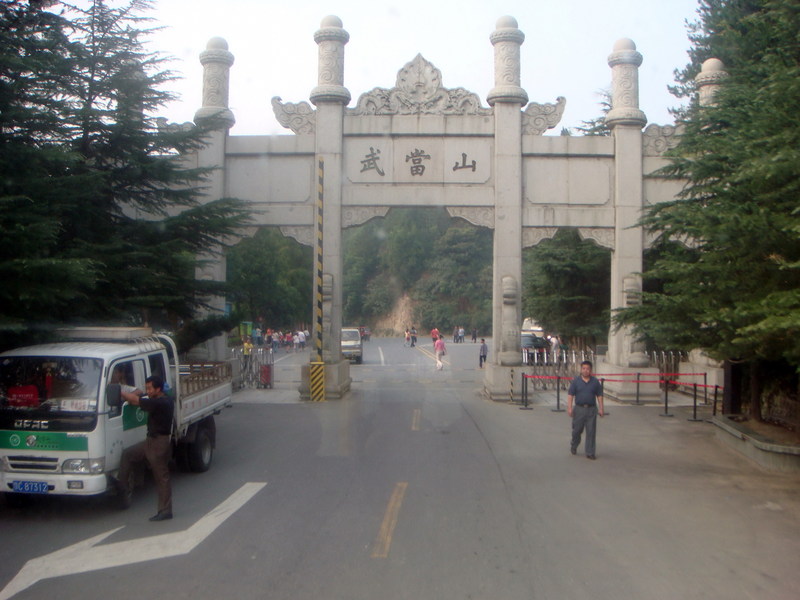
(535, 347)
(365, 333)
(531, 326)
(352, 344)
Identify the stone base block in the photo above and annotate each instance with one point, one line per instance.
(337, 380)
(503, 384)
(620, 383)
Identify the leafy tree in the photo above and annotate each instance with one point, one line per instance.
(457, 287)
(411, 235)
(270, 279)
(362, 256)
(108, 218)
(734, 291)
(566, 286)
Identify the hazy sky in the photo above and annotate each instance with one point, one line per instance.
(567, 43)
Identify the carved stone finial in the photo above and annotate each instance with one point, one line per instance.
(624, 62)
(331, 39)
(419, 91)
(507, 39)
(216, 61)
(711, 76)
(538, 118)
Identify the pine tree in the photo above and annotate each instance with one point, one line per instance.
(106, 189)
(38, 278)
(735, 291)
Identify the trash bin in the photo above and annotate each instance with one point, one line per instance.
(265, 379)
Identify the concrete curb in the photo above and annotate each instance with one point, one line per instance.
(767, 453)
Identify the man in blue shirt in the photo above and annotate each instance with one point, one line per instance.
(586, 393)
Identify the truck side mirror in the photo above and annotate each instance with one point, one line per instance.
(114, 395)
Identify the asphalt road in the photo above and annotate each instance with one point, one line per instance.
(417, 487)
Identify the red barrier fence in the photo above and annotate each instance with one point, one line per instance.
(663, 379)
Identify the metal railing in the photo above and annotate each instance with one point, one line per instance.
(563, 364)
(247, 367)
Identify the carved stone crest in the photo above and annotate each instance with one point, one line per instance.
(531, 236)
(299, 117)
(419, 91)
(538, 118)
(602, 236)
(657, 139)
(304, 234)
(358, 215)
(482, 216)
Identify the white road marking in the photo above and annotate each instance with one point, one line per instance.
(86, 556)
(383, 361)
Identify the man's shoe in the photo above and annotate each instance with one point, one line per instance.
(162, 516)
(573, 451)
(591, 457)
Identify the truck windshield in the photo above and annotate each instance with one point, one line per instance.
(351, 335)
(32, 385)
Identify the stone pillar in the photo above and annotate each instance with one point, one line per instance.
(214, 113)
(507, 97)
(626, 122)
(708, 80)
(330, 97)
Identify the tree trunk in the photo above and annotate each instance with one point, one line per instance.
(755, 391)
(732, 389)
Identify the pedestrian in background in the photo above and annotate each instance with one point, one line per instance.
(483, 352)
(587, 394)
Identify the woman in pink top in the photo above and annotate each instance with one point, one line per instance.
(440, 350)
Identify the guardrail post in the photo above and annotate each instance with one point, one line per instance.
(714, 410)
(525, 394)
(666, 412)
(638, 380)
(558, 396)
(694, 409)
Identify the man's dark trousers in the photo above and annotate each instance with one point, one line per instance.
(584, 416)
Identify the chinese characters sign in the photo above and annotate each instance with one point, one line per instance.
(418, 160)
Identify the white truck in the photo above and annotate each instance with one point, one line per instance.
(64, 426)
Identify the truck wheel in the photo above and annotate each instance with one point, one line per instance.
(181, 456)
(201, 451)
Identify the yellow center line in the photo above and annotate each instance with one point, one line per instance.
(415, 420)
(431, 355)
(380, 549)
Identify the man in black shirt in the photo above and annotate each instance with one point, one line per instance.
(157, 447)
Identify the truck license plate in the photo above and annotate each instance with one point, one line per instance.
(30, 487)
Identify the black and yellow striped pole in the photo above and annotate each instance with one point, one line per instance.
(317, 367)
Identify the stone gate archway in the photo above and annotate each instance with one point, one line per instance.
(420, 143)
